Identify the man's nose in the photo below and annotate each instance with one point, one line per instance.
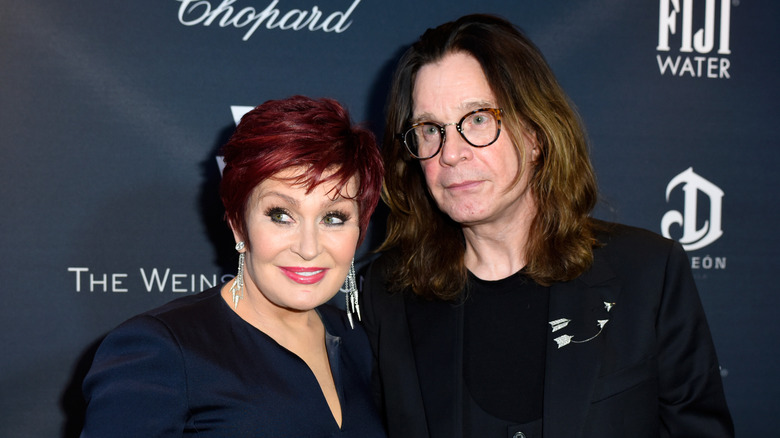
(454, 148)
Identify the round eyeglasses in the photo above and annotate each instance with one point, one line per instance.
(479, 128)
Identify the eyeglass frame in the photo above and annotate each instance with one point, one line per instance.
(443, 131)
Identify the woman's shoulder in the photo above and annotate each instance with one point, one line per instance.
(178, 315)
(189, 303)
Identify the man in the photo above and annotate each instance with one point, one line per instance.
(499, 308)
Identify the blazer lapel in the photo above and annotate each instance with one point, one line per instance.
(436, 335)
(579, 313)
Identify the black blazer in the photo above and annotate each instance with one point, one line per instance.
(650, 372)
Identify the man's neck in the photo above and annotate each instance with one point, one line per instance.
(497, 250)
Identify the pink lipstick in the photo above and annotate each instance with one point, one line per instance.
(304, 275)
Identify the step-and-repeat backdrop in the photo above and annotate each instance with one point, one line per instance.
(111, 114)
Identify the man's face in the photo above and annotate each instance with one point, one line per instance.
(474, 186)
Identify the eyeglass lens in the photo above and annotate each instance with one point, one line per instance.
(479, 128)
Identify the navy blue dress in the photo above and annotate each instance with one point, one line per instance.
(194, 368)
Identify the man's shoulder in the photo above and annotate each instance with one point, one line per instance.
(614, 236)
(375, 283)
(629, 249)
(378, 270)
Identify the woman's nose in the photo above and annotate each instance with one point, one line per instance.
(307, 244)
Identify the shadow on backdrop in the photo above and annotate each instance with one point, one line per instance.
(72, 401)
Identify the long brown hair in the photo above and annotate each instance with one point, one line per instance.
(430, 244)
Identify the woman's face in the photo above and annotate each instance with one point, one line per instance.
(300, 244)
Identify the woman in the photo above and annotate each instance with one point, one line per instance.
(262, 355)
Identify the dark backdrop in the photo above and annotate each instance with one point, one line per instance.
(111, 114)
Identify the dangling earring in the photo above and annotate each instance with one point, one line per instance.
(352, 295)
(237, 289)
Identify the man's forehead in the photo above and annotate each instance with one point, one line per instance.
(450, 88)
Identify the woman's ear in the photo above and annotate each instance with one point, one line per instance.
(237, 235)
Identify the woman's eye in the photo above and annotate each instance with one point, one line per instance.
(335, 219)
(278, 215)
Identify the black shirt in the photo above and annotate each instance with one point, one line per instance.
(505, 332)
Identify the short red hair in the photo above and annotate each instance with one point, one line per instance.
(316, 134)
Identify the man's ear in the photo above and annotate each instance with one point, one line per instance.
(532, 140)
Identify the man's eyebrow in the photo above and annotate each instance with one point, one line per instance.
(465, 106)
(424, 117)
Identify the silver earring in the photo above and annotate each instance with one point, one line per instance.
(352, 295)
(237, 289)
